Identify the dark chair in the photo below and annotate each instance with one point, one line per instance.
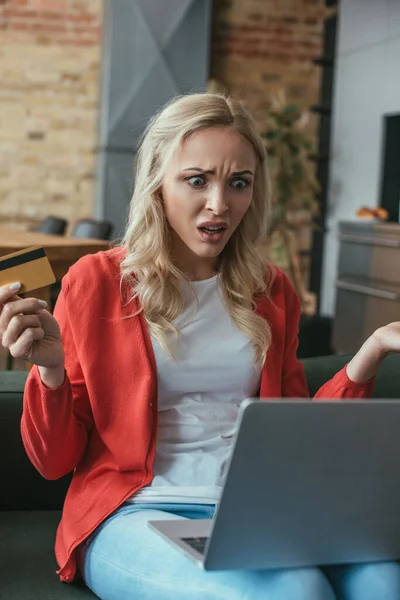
(91, 228)
(85, 228)
(52, 225)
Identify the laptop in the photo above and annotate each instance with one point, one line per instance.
(309, 483)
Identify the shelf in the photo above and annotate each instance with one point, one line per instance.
(323, 61)
(320, 158)
(322, 110)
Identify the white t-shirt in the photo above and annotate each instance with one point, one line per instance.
(199, 392)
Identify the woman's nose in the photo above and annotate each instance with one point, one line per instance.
(217, 200)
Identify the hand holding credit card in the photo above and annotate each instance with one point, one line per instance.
(27, 330)
(30, 267)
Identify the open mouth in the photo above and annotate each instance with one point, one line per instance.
(212, 230)
(212, 234)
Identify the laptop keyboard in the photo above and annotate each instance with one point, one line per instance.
(197, 543)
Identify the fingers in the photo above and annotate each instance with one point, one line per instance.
(17, 315)
(16, 326)
(22, 348)
(19, 306)
(8, 291)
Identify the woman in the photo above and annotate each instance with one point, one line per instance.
(161, 338)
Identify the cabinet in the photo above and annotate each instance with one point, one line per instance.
(368, 282)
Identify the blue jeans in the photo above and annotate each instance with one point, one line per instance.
(125, 560)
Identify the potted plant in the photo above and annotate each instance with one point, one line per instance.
(294, 186)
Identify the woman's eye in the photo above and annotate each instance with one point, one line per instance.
(196, 181)
(239, 184)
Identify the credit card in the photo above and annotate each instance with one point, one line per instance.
(30, 267)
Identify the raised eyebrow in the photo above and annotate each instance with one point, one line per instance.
(239, 173)
(212, 172)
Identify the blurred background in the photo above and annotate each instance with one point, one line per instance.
(80, 78)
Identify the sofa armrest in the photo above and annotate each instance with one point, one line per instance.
(22, 486)
(13, 381)
(319, 370)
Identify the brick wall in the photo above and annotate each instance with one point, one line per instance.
(49, 72)
(259, 46)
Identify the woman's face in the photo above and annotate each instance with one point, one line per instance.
(207, 188)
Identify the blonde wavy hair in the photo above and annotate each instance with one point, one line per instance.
(147, 266)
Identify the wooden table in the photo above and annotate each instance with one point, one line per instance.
(62, 251)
